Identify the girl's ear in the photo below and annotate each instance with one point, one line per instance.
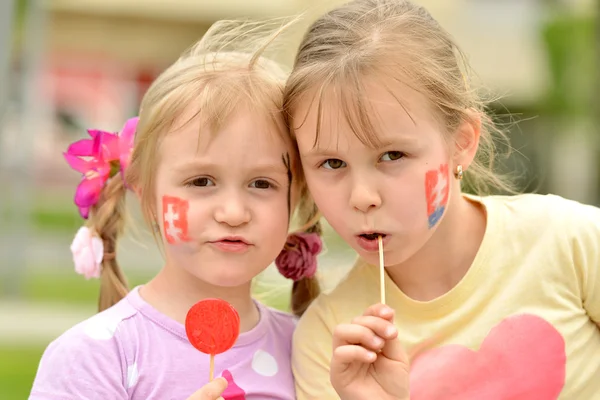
(466, 139)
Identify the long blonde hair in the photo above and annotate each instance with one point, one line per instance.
(398, 40)
(225, 68)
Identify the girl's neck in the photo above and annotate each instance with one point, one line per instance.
(173, 292)
(445, 259)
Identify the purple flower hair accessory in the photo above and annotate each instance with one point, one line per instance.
(98, 159)
(298, 259)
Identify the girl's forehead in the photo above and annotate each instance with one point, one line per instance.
(243, 127)
(376, 113)
(245, 134)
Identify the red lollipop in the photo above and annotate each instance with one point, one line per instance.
(212, 326)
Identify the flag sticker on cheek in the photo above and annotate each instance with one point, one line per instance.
(175, 219)
(436, 193)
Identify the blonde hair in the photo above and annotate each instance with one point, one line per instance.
(398, 40)
(225, 68)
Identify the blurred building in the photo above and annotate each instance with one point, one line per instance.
(135, 39)
(101, 55)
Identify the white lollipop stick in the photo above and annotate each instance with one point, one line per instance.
(381, 270)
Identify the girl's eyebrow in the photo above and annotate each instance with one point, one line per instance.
(383, 145)
(258, 168)
(270, 168)
(399, 141)
(316, 152)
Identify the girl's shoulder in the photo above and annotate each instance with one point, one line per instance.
(535, 216)
(93, 350)
(548, 208)
(99, 329)
(281, 322)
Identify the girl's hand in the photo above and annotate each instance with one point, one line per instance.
(368, 360)
(211, 391)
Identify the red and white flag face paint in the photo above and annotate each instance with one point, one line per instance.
(436, 192)
(175, 219)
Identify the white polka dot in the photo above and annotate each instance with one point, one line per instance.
(132, 375)
(264, 364)
(102, 326)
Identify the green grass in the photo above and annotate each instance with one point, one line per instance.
(45, 219)
(73, 289)
(50, 212)
(50, 219)
(18, 366)
(52, 287)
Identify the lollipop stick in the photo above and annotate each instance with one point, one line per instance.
(211, 374)
(381, 271)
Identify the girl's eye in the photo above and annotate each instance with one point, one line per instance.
(333, 163)
(261, 184)
(203, 181)
(392, 156)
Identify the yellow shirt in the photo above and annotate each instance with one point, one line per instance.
(521, 324)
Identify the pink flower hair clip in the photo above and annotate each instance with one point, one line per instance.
(98, 159)
(88, 252)
(298, 259)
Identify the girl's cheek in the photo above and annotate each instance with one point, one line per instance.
(436, 193)
(175, 219)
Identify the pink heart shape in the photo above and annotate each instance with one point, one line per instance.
(523, 357)
(233, 391)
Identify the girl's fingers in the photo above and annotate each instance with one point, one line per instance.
(359, 335)
(379, 326)
(211, 391)
(380, 310)
(348, 354)
(394, 350)
(354, 334)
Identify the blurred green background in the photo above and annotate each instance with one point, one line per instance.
(72, 64)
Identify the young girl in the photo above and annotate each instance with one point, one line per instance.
(218, 179)
(501, 293)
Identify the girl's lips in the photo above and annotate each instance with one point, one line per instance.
(231, 246)
(372, 244)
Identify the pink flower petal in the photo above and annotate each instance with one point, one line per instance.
(88, 252)
(78, 164)
(126, 140)
(109, 143)
(81, 237)
(97, 148)
(88, 191)
(128, 132)
(95, 132)
(83, 147)
(84, 212)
